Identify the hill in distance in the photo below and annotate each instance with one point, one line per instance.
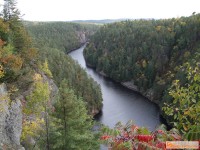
(104, 21)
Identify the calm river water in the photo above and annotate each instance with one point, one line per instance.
(120, 103)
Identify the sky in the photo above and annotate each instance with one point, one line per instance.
(67, 10)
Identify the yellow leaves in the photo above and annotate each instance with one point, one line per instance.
(37, 77)
(16, 63)
(183, 23)
(160, 81)
(169, 29)
(185, 127)
(3, 102)
(187, 112)
(158, 28)
(4, 27)
(1, 71)
(187, 54)
(4, 98)
(38, 98)
(45, 67)
(35, 106)
(144, 63)
(31, 128)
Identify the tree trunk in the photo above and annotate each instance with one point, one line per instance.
(65, 127)
(47, 129)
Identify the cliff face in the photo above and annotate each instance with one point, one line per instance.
(82, 37)
(52, 87)
(10, 120)
(11, 115)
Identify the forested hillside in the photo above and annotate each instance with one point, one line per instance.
(146, 52)
(57, 38)
(60, 35)
(158, 58)
(47, 100)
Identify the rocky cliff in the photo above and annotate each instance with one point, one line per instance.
(11, 115)
(10, 121)
(82, 37)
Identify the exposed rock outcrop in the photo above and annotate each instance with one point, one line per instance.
(130, 85)
(82, 37)
(11, 115)
(150, 93)
(10, 121)
(95, 111)
(30, 141)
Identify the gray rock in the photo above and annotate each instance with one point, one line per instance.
(11, 115)
(130, 85)
(10, 121)
(82, 37)
(14, 122)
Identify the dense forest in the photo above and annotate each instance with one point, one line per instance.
(47, 101)
(159, 58)
(60, 35)
(55, 95)
(53, 49)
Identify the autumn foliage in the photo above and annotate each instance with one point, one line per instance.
(132, 137)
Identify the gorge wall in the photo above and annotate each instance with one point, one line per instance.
(10, 120)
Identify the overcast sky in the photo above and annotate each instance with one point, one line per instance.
(63, 10)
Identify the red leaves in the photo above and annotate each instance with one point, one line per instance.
(144, 138)
(161, 145)
(105, 137)
(134, 128)
(160, 131)
(2, 42)
(139, 138)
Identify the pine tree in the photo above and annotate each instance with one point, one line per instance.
(18, 36)
(72, 125)
(10, 10)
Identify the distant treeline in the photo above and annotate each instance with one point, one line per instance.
(104, 21)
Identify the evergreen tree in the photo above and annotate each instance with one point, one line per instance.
(10, 10)
(71, 128)
(18, 34)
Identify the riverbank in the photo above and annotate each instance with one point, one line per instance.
(119, 103)
(149, 94)
(130, 85)
(94, 108)
(81, 45)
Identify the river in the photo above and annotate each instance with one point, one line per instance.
(120, 103)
